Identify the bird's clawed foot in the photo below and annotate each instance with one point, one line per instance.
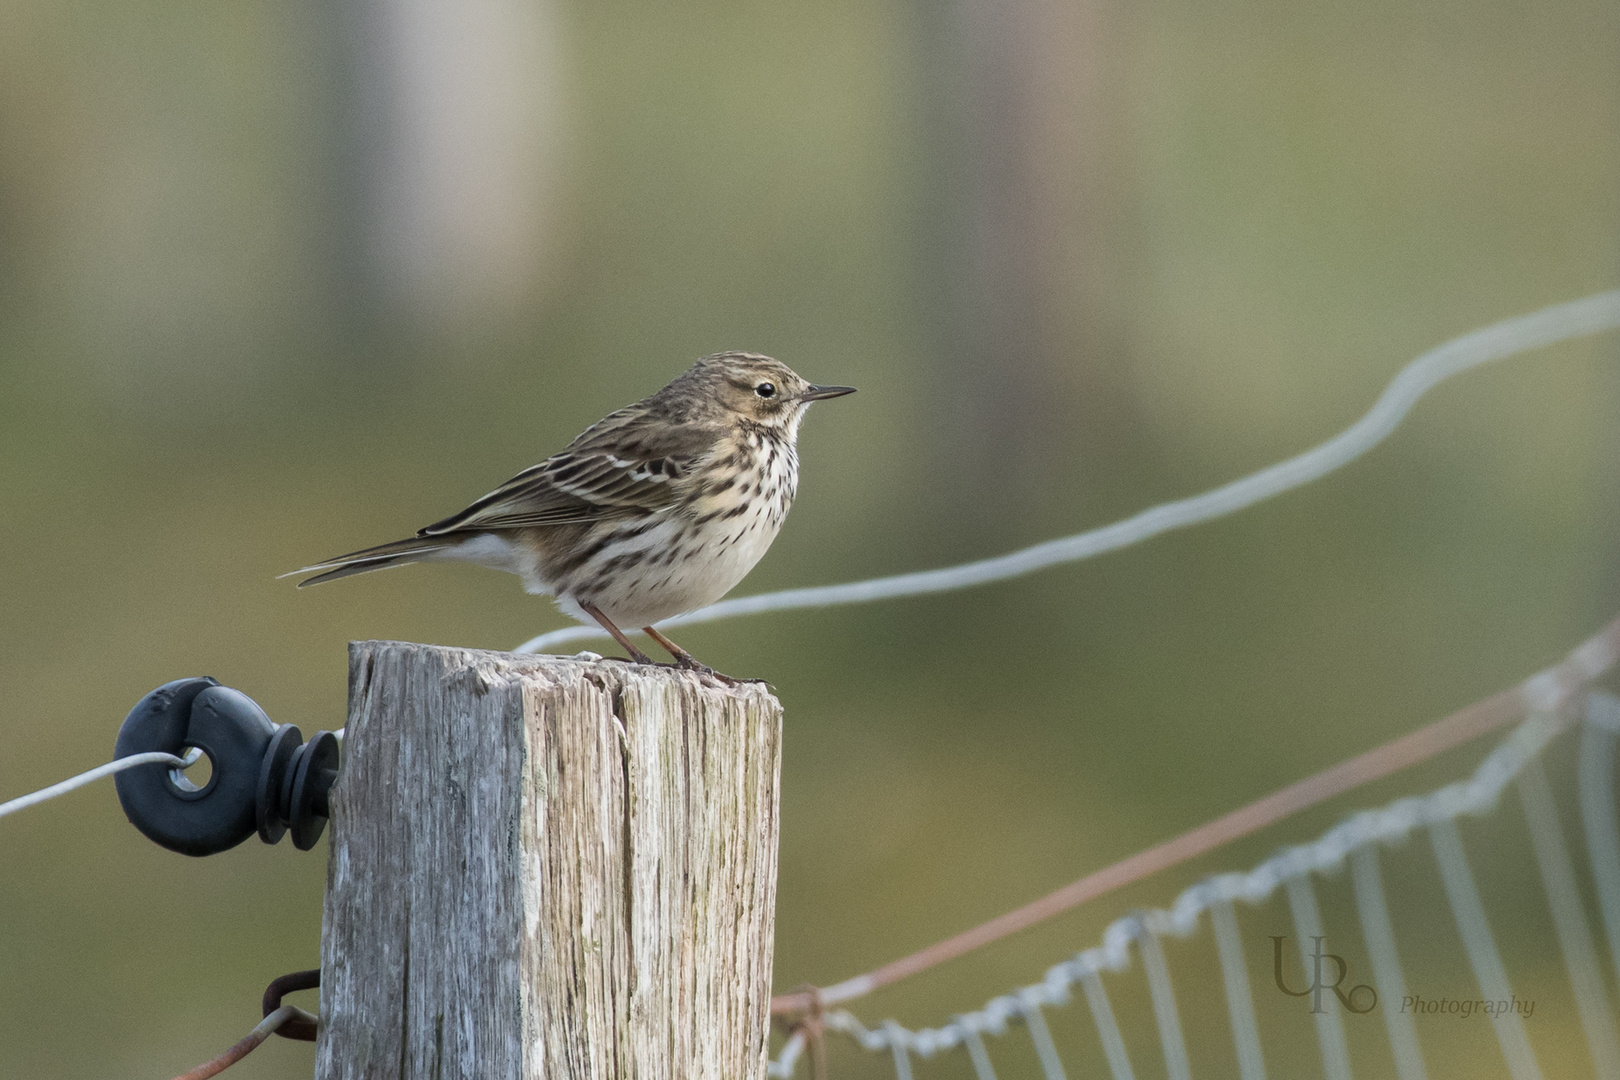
(685, 661)
(636, 657)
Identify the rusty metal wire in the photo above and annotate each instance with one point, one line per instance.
(246, 1045)
(288, 1021)
(303, 1027)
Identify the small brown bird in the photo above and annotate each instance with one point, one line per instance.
(657, 509)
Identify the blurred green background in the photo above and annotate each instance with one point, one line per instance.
(279, 280)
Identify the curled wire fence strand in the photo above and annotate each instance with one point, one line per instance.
(982, 1069)
(897, 1047)
(1480, 946)
(1560, 322)
(1102, 1014)
(1389, 824)
(1379, 934)
(1598, 812)
(788, 1059)
(1041, 1036)
(1569, 922)
(1165, 1013)
(1239, 997)
(1329, 1025)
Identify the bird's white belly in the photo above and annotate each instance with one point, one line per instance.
(675, 567)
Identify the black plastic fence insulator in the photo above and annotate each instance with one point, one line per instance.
(264, 777)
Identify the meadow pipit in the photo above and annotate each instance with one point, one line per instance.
(657, 509)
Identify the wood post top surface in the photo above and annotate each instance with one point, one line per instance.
(608, 672)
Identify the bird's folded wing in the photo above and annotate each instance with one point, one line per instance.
(592, 479)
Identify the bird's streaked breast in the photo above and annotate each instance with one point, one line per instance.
(642, 571)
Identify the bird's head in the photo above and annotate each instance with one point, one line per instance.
(758, 389)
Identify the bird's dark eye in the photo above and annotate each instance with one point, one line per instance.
(765, 389)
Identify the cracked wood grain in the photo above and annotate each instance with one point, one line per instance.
(548, 867)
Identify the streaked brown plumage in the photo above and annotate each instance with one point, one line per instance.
(656, 509)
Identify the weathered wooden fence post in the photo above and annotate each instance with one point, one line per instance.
(548, 867)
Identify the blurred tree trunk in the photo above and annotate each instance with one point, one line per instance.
(1018, 251)
(445, 157)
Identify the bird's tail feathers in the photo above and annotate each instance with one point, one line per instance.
(398, 553)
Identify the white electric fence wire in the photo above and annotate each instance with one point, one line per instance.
(1480, 946)
(1569, 922)
(1598, 811)
(1560, 322)
(1388, 979)
(1329, 1024)
(22, 802)
(1389, 824)
(1239, 996)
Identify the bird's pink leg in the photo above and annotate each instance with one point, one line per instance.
(618, 635)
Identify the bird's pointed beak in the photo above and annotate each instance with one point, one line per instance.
(816, 393)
